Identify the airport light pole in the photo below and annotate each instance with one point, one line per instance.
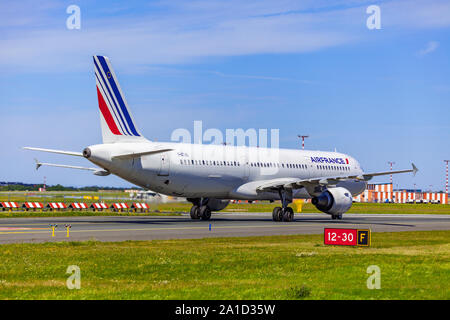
(446, 175)
(303, 140)
(391, 163)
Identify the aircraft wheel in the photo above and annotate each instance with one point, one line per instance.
(205, 212)
(277, 214)
(288, 214)
(339, 216)
(195, 212)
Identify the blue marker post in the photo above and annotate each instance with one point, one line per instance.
(210, 227)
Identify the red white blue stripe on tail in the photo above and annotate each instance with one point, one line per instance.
(111, 101)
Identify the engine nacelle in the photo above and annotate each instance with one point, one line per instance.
(217, 204)
(333, 201)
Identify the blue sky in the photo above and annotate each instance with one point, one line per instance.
(299, 66)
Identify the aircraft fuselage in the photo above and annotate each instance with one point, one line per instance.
(220, 171)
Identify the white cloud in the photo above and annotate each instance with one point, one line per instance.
(431, 46)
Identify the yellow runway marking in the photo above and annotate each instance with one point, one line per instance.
(44, 223)
(68, 221)
(162, 229)
(19, 228)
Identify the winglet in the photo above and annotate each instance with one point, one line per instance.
(414, 169)
(38, 164)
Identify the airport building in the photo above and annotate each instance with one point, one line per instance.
(384, 192)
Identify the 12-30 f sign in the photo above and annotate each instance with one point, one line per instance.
(347, 237)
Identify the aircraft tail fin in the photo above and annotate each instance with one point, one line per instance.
(116, 119)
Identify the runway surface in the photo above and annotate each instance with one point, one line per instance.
(13, 230)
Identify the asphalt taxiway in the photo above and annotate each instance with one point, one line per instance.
(116, 228)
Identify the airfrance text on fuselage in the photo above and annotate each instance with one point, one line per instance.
(329, 160)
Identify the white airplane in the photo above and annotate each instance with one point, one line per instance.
(209, 176)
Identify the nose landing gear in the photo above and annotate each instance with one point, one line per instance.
(336, 216)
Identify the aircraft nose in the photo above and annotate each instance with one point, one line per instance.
(86, 153)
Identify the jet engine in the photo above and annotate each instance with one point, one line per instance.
(334, 201)
(217, 204)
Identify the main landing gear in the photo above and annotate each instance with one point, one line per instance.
(200, 210)
(283, 213)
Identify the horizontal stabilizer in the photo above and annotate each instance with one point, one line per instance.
(69, 153)
(96, 171)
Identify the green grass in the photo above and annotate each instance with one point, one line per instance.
(414, 265)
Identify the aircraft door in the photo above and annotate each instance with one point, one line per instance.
(310, 168)
(164, 164)
(246, 167)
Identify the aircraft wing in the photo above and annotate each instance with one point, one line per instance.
(293, 183)
(368, 176)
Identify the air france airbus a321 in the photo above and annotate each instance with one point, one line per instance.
(209, 176)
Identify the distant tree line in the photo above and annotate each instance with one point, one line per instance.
(58, 187)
